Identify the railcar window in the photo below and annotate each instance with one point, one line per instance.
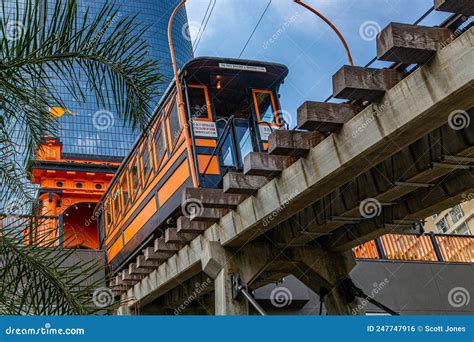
(264, 105)
(198, 103)
(175, 128)
(108, 218)
(125, 187)
(135, 177)
(116, 199)
(159, 146)
(146, 162)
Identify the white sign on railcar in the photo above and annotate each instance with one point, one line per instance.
(265, 131)
(205, 129)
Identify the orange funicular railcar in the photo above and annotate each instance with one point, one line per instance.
(231, 107)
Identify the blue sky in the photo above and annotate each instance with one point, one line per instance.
(305, 44)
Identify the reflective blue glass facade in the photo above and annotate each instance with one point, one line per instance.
(96, 131)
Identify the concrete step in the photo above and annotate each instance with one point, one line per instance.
(324, 117)
(238, 183)
(292, 143)
(212, 198)
(410, 44)
(186, 226)
(363, 84)
(150, 254)
(161, 246)
(172, 236)
(209, 215)
(264, 164)
(134, 270)
(143, 263)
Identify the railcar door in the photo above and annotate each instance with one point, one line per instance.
(267, 115)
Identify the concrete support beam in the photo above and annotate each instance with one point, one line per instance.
(238, 183)
(410, 44)
(420, 103)
(455, 6)
(364, 84)
(213, 198)
(324, 117)
(263, 164)
(292, 143)
(325, 273)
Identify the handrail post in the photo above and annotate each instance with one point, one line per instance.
(380, 250)
(436, 248)
(60, 230)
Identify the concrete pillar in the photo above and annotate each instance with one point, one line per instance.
(221, 264)
(325, 273)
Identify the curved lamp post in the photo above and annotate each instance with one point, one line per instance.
(179, 97)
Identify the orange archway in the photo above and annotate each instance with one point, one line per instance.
(80, 227)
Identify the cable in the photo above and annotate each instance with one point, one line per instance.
(202, 23)
(255, 28)
(373, 60)
(205, 25)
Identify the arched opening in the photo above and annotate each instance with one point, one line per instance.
(80, 227)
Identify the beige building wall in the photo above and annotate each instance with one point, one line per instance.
(458, 220)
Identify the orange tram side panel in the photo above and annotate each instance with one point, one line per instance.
(231, 108)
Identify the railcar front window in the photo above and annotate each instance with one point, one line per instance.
(265, 107)
(198, 103)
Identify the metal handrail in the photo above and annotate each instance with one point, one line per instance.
(225, 133)
(427, 247)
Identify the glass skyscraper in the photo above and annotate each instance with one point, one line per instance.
(95, 132)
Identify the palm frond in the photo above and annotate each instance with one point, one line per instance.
(38, 278)
(43, 49)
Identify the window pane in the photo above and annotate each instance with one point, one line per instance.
(197, 103)
(174, 124)
(146, 162)
(135, 179)
(160, 148)
(125, 189)
(116, 199)
(265, 108)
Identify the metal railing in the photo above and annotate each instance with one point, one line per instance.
(429, 247)
(32, 229)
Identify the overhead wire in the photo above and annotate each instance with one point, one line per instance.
(202, 23)
(255, 28)
(205, 25)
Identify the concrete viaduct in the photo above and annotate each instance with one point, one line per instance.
(400, 149)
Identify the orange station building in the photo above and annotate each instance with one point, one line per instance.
(70, 189)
